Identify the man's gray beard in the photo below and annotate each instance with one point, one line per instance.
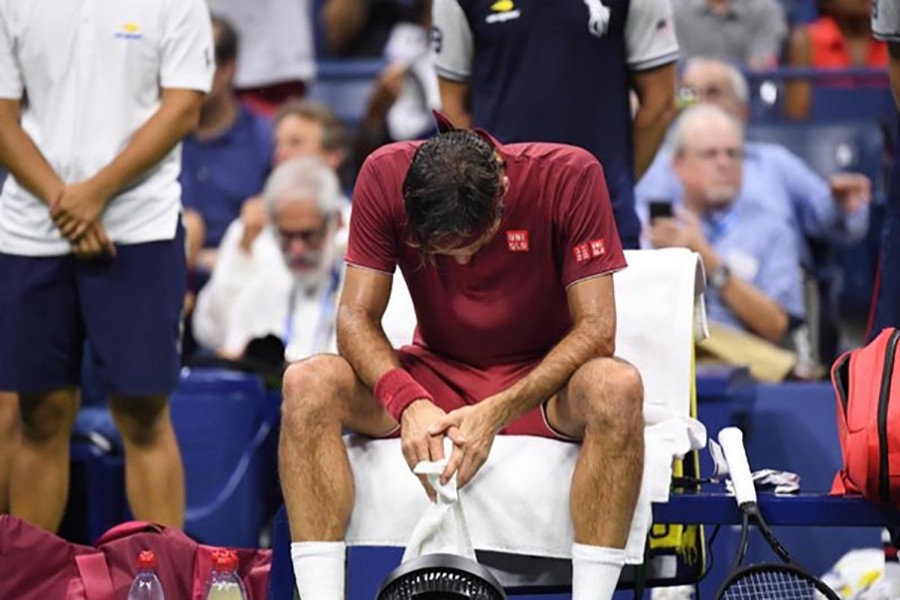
(310, 280)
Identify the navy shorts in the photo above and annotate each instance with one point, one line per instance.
(129, 310)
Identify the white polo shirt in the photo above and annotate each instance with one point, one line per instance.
(91, 73)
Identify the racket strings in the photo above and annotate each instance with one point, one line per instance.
(771, 585)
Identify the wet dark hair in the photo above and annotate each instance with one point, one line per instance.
(453, 190)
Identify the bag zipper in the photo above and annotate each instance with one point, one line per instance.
(883, 399)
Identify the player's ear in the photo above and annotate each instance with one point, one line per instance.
(505, 183)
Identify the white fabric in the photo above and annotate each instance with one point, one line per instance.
(886, 20)
(410, 115)
(655, 305)
(442, 528)
(248, 296)
(276, 40)
(595, 571)
(319, 569)
(92, 72)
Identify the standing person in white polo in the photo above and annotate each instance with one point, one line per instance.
(95, 97)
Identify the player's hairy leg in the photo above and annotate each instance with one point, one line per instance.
(39, 484)
(321, 395)
(602, 405)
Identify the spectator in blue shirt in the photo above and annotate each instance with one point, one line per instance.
(228, 157)
(751, 259)
(834, 211)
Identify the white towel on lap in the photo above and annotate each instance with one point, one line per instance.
(519, 501)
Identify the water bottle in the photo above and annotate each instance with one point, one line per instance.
(225, 583)
(146, 585)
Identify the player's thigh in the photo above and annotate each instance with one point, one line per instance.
(604, 390)
(324, 388)
(132, 306)
(41, 330)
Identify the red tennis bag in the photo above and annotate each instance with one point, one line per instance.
(867, 384)
(36, 565)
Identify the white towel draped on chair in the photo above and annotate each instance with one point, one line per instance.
(519, 501)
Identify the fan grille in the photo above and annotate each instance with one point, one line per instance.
(439, 584)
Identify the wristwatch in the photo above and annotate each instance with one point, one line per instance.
(719, 277)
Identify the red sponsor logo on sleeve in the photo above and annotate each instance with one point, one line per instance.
(598, 247)
(581, 252)
(517, 240)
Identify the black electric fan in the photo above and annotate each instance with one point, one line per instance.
(440, 577)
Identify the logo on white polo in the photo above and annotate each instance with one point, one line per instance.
(129, 31)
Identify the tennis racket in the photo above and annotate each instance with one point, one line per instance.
(765, 581)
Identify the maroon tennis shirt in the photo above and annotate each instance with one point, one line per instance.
(508, 304)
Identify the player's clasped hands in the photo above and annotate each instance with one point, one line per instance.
(418, 444)
(76, 212)
(477, 425)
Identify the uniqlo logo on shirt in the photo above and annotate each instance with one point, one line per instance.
(598, 247)
(517, 241)
(581, 252)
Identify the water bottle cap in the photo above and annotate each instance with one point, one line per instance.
(147, 560)
(225, 560)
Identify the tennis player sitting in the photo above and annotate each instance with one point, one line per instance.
(508, 252)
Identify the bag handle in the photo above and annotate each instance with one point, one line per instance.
(126, 529)
(95, 576)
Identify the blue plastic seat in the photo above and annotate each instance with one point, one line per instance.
(345, 85)
(226, 424)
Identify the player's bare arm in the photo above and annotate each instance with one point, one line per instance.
(22, 158)
(455, 101)
(655, 89)
(592, 305)
(81, 204)
(362, 341)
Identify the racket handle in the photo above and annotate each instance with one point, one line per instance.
(732, 442)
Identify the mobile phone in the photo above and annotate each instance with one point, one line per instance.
(661, 208)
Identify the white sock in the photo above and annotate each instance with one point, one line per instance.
(595, 571)
(319, 569)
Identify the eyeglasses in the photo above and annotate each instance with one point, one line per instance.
(310, 237)
(709, 154)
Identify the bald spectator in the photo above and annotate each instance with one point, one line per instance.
(834, 210)
(747, 32)
(751, 260)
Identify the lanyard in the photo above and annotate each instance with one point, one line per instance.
(325, 324)
(720, 224)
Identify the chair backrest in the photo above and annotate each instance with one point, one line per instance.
(829, 148)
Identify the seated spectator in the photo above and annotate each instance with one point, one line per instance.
(227, 158)
(302, 129)
(839, 39)
(749, 33)
(291, 296)
(289, 293)
(276, 60)
(778, 181)
(754, 281)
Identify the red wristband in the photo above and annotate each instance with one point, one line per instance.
(396, 390)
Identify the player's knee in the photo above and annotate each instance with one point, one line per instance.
(612, 393)
(141, 420)
(45, 419)
(313, 390)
